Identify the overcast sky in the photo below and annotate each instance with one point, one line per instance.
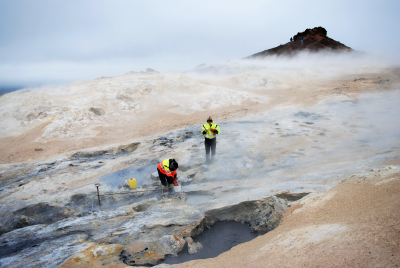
(55, 41)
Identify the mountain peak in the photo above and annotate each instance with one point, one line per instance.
(314, 40)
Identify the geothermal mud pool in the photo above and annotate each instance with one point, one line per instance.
(49, 210)
(221, 237)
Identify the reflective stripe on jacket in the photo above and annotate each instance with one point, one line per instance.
(164, 168)
(210, 134)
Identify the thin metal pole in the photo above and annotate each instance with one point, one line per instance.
(98, 194)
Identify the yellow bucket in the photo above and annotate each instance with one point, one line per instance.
(132, 183)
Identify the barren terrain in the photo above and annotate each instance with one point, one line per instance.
(328, 133)
(38, 128)
(355, 224)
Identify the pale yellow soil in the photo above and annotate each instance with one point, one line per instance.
(355, 224)
(25, 147)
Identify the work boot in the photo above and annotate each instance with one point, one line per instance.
(170, 188)
(164, 189)
(208, 161)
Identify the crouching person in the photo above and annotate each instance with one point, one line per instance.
(167, 173)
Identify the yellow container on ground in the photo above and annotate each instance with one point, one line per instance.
(132, 183)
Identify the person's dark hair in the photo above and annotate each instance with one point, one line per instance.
(173, 165)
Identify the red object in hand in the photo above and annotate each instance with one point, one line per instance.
(175, 183)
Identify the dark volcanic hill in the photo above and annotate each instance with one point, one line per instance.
(314, 40)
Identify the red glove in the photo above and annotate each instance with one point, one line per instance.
(175, 183)
(212, 130)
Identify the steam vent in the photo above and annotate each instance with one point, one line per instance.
(314, 40)
(306, 170)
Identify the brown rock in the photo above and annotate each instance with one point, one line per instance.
(314, 40)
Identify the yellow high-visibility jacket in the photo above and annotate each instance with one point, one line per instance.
(210, 134)
(164, 168)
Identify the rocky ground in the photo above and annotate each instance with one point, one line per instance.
(355, 224)
(314, 40)
(322, 142)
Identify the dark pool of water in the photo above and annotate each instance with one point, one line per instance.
(221, 237)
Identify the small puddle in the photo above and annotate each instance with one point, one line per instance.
(198, 198)
(221, 237)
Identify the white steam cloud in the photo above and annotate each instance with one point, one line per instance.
(135, 97)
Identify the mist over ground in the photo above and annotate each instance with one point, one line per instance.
(54, 43)
(136, 96)
(290, 128)
(99, 92)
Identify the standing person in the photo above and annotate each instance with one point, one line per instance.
(210, 131)
(167, 173)
(291, 39)
(301, 41)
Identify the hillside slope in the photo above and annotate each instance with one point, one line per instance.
(314, 40)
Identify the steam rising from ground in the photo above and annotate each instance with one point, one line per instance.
(325, 62)
(319, 122)
(75, 110)
(283, 144)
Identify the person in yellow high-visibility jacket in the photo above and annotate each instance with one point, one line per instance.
(167, 174)
(210, 130)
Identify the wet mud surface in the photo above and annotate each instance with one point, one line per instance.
(141, 174)
(220, 237)
(197, 198)
(7, 250)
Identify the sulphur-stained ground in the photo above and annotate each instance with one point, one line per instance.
(308, 154)
(40, 123)
(355, 224)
